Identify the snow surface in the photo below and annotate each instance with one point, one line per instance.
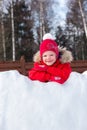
(33, 105)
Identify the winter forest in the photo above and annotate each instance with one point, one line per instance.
(24, 22)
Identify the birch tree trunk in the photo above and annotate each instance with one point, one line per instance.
(83, 18)
(3, 31)
(42, 27)
(13, 36)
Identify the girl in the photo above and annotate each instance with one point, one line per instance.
(48, 66)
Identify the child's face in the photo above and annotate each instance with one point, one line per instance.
(49, 57)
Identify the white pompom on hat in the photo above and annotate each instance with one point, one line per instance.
(48, 44)
(48, 36)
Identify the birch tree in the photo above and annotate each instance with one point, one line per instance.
(19, 29)
(76, 26)
(43, 13)
(13, 35)
(83, 18)
(2, 30)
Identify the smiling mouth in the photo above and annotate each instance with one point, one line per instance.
(48, 61)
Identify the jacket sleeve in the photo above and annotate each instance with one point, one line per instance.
(60, 74)
(39, 72)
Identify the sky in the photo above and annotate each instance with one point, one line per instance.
(60, 6)
(60, 10)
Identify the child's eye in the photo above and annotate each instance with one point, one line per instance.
(44, 55)
(51, 55)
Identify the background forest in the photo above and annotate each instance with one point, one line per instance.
(24, 22)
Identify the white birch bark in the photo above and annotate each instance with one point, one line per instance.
(3, 31)
(42, 27)
(13, 36)
(83, 18)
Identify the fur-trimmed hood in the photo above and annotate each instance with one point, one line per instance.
(66, 56)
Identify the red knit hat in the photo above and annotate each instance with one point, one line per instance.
(48, 44)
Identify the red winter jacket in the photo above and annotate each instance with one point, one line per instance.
(58, 72)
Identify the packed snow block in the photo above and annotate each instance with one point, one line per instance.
(33, 105)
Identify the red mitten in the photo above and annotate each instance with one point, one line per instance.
(55, 78)
(40, 67)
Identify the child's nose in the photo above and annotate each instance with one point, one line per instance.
(48, 57)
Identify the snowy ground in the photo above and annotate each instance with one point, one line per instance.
(32, 105)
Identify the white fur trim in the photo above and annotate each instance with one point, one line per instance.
(48, 36)
(65, 57)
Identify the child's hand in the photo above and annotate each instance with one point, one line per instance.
(40, 67)
(55, 78)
